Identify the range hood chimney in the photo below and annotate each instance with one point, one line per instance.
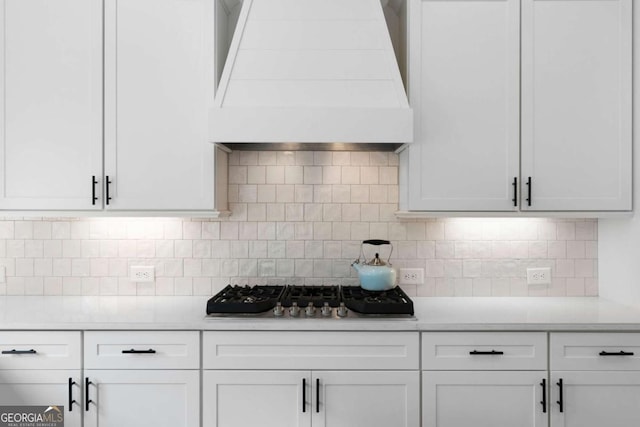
(311, 72)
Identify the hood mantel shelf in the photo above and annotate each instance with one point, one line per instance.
(311, 71)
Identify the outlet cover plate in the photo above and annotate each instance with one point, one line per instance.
(140, 274)
(539, 276)
(411, 276)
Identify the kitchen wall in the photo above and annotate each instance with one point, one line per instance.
(297, 216)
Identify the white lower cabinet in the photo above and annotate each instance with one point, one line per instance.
(595, 379)
(60, 388)
(365, 398)
(256, 398)
(484, 379)
(341, 379)
(154, 398)
(306, 398)
(484, 399)
(597, 398)
(142, 379)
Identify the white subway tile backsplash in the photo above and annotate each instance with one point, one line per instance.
(274, 175)
(298, 217)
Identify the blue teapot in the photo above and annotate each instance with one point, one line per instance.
(375, 275)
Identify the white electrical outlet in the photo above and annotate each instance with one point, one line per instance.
(539, 276)
(3, 274)
(411, 276)
(142, 274)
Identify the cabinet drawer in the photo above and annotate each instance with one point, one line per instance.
(40, 350)
(142, 350)
(310, 350)
(595, 351)
(484, 351)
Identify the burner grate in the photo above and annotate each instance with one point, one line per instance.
(392, 301)
(318, 295)
(244, 299)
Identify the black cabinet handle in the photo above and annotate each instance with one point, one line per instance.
(529, 191)
(93, 190)
(560, 396)
(71, 399)
(376, 242)
(304, 395)
(515, 192)
(543, 384)
(317, 394)
(619, 353)
(133, 351)
(485, 353)
(108, 182)
(14, 351)
(86, 394)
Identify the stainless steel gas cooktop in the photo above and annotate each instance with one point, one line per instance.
(310, 302)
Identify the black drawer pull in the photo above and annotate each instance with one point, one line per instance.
(133, 351)
(619, 353)
(486, 353)
(317, 395)
(93, 190)
(71, 399)
(515, 192)
(560, 402)
(107, 184)
(528, 199)
(304, 395)
(87, 401)
(14, 351)
(543, 384)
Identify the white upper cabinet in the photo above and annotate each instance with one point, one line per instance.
(533, 90)
(464, 89)
(159, 86)
(576, 104)
(50, 104)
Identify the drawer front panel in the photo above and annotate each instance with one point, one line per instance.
(595, 351)
(310, 350)
(142, 350)
(40, 350)
(484, 351)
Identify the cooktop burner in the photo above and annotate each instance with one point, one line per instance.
(318, 295)
(245, 299)
(393, 301)
(290, 301)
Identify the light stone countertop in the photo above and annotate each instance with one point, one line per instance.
(432, 314)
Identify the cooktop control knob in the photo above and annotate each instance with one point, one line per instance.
(278, 310)
(342, 310)
(294, 310)
(325, 310)
(310, 311)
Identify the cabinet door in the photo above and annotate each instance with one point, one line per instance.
(464, 89)
(143, 398)
(159, 84)
(43, 388)
(483, 399)
(256, 398)
(366, 398)
(596, 398)
(576, 104)
(50, 103)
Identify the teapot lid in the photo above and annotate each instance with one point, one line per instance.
(377, 261)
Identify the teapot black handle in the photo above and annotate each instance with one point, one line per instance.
(376, 242)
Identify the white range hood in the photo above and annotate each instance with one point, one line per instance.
(311, 71)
